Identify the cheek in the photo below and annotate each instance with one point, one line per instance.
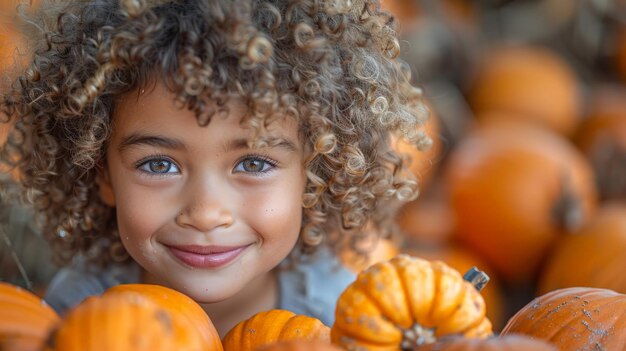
(277, 215)
(139, 215)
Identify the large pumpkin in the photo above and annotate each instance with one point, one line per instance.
(574, 319)
(25, 319)
(527, 83)
(406, 302)
(513, 189)
(126, 321)
(177, 303)
(593, 256)
(272, 326)
(511, 342)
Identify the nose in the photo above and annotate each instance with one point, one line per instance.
(206, 208)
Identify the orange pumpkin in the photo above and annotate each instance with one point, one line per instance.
(300, 345)
(126, 321)
(574, 319)
(271, 326)
(511, 342)
(405, 302)
(513, 189)
(602, 138)
(177, 303)
(602, 244)
(462, 259)
(25, 319)
(527, 83)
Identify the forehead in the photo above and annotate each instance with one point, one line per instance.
(156, 108)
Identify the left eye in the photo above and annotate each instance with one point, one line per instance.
(254, 165)
(159, 166)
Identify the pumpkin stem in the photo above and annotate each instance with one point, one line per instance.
(477, 278)
(609, 162)
(415, 336)
(567, 210)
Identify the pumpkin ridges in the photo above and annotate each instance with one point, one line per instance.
(579, 318)
(421, 283)
(393, 307)
(366, 310)
(297, 327)
(25, 319)
(272, 326)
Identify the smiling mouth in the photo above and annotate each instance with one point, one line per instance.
(206, 256)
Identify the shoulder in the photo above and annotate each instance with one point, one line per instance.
(313, 287)
(76, 282)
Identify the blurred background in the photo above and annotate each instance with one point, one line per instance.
(526, 178)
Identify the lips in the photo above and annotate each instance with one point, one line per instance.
(206, 256)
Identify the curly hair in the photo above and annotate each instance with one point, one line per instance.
(331, 65)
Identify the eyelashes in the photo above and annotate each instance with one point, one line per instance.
(161, 165)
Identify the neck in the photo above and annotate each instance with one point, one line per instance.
(260, 295)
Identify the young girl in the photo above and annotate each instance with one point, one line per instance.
(212, 146)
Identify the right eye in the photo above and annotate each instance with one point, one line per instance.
(159, 166)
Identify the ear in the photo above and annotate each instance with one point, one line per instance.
(104, 184)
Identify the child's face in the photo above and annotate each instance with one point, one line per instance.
(196, 208)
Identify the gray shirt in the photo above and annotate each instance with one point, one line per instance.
(311, 288)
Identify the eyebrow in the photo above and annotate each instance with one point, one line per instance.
(151, 140)
(272, 142)
(136, 139)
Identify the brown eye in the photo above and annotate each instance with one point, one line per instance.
(159, 166)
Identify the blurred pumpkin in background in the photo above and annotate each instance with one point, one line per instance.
(526, 82)
(423, 164)
(377, 249)
(619, 46)
(602, 138)
(514, 187)
(427, 220)
(593, 256)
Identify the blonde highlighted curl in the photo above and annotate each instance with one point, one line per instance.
(331, 65)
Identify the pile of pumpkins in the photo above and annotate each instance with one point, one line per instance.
(405, 303)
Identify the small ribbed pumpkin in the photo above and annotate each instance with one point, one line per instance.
(126, 321)
(511, 342)
(176, 302)
(463, 259)
(574, 319)
(406, 302)
(25, 319)
(272, 326)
